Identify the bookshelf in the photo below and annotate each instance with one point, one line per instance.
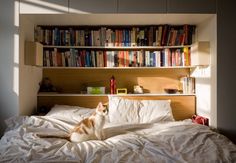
(154, 57)
(116, 46)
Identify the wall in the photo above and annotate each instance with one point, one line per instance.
(30, 76)
(9, 66)
(226, 66)
(206, 75)
(9, 61)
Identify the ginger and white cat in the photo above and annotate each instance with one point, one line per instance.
(88, 129)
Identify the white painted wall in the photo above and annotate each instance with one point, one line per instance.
(30, 76)
(44, 6)
(206, 87)
(9, 61)
(19, 83)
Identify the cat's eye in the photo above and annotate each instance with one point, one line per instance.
(104, 111)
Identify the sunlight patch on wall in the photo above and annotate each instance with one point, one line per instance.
(16, 65)
(203, 93)
(16, 12)
(44, 6)
(201, 72)
(16, 80)
(202, 75)
(16, 49)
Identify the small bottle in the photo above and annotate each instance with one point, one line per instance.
(112, 85)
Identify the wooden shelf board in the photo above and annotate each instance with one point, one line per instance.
(121, 68)
(114, 47)
(76, 94)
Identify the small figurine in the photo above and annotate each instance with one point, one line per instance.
(138, 89)
(46, 85)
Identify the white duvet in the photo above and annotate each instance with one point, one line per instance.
(158, 142)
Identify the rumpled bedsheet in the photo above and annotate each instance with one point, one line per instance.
(167, 142)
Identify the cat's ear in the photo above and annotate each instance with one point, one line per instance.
(100, 105)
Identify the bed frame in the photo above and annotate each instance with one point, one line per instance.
(182, 106)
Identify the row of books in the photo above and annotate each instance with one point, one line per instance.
(91, 58)
(161, 35)
(188, 84)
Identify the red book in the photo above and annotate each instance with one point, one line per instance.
(105, 58)
(173, 58)
(121, 58)
(164, 35)
(126, 58)
(186, 31)
(59, 59)
(117, 38)
(82, 57)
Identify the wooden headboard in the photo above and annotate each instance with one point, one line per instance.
(182, 106)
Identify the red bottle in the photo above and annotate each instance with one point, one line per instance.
(113, 85)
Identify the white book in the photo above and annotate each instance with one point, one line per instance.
(166, 57)
(147, 58)
(97, 59)
(131, 57)
(158, 58)
(93, 57)
(108, 38)
(112, 58)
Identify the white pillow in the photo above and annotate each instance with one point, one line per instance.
(69, 113)
(123, 110)
(155, 111)
(139, 111)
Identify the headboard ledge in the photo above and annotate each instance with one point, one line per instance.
(183, 107)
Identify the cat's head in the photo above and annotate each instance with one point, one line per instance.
(102, 109)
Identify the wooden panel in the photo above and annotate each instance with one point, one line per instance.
(33, 53)
(152, 80)
(200, 53)
(191, 6)
(93, 6)
(142, 6)
(182, 106)
(43, 6)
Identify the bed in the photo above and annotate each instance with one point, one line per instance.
(135, 131)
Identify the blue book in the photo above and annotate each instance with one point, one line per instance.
(163, 58)
(126, 37)
(87, 59)
(154, 59)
